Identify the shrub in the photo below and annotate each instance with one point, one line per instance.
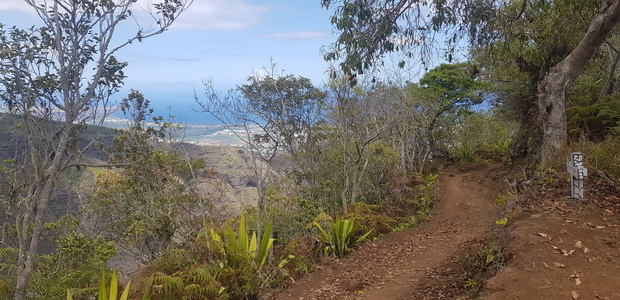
(221, 264)
(369, 218)
(103, 292)
(603, 156)
(485, 135)
(338, 240)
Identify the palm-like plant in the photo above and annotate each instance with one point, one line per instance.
(339, 238)
(103, 293)
(231, 244)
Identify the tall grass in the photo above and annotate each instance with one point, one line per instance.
(603, 156)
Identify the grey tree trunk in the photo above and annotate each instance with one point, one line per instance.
(39, 196)
(552, 89)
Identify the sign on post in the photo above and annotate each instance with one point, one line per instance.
(577, 175)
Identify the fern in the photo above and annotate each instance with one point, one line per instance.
(196, 283)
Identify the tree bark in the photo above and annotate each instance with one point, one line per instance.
(31, 227)
(552, 89)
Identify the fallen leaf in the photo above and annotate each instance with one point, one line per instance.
(575, 295)
(600, 227)
(578, 244)
(586, 250)
(577, 281)
(546, 265)
(543, 234)
(554, 247)
(571, 252)
(559, 265)
(600, 297)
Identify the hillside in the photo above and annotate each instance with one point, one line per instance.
(550, 248)
(226, 180)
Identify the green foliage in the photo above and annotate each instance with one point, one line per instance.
(288, 212)
(426, 194)
(237, 246)
(103, 292)
(327, 178)
(221, 264)
(453, 84)
(503, 221)
(489, 259)
(443, 99)
(468, 155)
(8, 271)
(382, 166)
(74, 265)
(595, 119)
(289, 105)
(501, 200)
(146, 201)
(339, 237)
(370, 218)
(470, 283)
(482, 134)
(603, 156)
(198, 282)
(528, 41)
(370, 29)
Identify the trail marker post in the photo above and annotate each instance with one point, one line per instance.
(577, 175)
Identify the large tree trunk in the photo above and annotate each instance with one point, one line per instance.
(552, 89)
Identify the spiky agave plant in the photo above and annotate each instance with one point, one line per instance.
(229, 243)
(339, 238)
(103, 293)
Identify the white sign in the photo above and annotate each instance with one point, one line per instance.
(578, 173)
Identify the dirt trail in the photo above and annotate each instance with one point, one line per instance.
(391, 267)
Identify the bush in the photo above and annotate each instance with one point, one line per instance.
(369, 218)
(482, 135)
(338, 238)
(103, 292)
(221, 264)
(603, 156)
(76, 264)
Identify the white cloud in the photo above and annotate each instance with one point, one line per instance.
(299, 35)
(220, 14)
(202, 14)
(15, 5)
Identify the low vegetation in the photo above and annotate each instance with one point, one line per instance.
(331, 166)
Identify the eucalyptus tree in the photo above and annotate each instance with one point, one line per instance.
(370, 29)
(272, 114)
(359, 116)
(59, 77)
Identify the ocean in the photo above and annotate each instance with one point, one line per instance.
(200, 134)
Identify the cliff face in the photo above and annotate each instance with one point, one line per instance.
(228, 180)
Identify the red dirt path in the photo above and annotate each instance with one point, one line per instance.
(392, 266)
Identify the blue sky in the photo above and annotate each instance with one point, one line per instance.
(226, 40)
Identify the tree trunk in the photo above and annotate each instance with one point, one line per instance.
(40, 196)
(552, 89)
(610, 84)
